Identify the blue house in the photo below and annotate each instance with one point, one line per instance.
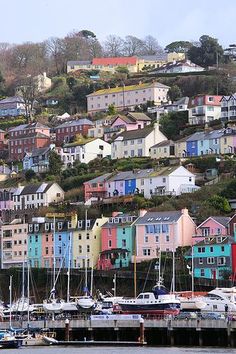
(12, 107)
(212, 257)
(130, 186)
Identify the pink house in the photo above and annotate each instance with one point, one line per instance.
(163, 231)
(213, 226)
(130, 121)
(96, 187)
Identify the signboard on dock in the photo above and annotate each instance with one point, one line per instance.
(115, 317)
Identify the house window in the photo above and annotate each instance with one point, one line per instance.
(145, 238)
(210, 260)
(211, 249)
(221, 261)
(167, 238)
(88, 248)
(200, 260)
(157, 239)
(164, 180)
(201, 249)
(146, 252)
(109, 243)
(123, 230)
(123, 243)
(202, 272)
(222, 248)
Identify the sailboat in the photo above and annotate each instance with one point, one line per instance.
(86, 301)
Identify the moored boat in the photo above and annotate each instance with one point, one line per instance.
(158, 301)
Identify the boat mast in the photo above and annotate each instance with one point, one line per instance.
(23, 282)
(91, 280)
(159, 264)
(54, 257)
(192, 273)
(28, 294)
(10, 291)
(68, 272)
(135, 267)
(86, 264)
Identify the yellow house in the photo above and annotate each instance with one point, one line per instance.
(227, 143)
(181, 147)
(151, 62)
(175, 56)
(87, 242)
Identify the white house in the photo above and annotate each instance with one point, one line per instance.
(168, 180)
(34, 196)
(136, 142)
(204, 109)
(84, 151)
(181, 66)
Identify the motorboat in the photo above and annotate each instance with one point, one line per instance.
(221, 299)
(158, 301)
(53, 305)
(8, 340)
(216, 300)
(106, 305)
(85, 302)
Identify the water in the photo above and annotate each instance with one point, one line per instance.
(116, 350)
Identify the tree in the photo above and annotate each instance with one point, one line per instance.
(220, 203)
(55, 163)
(28, 90)
(178, 47)
(55, 48)
(133, 46)
(172, 123)
(151, 46)
(209, 51)
(111, 110)
(113, 46)
(174, 93)
(29, 175)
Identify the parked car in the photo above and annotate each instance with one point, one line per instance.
(212, 316)
(186, 316)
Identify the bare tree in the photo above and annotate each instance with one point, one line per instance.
(113, 46)
(151, 46)
(55, 48)
(133, 46)
(28, 90)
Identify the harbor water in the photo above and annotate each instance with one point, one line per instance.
(118, 350)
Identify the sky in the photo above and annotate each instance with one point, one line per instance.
(167, 21)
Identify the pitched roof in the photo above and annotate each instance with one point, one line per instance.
(29, 126)
(12, 99)
(40, 151)
(36, 188)
(214, 240)
(155, 57)
(127, 88)
(115, 61)
(223, 220)
(79, 62)
(163, 143)
(159, 217)
(138, 116)
(99, 179)
(72, 123)
(135, 134)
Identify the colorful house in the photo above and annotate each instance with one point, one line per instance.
(14, 244)
(162, 231)
(87, 242)
(212, 257)
(204, 109)
(212, 226)
(117, 241)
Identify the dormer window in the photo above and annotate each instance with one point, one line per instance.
(30, 227)
(80, 223)
(59, 225)
(36, 227)
(46, 226)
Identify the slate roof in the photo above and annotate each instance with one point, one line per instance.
(159, 217)
(83, 121)
(79, 62)
(36, 188)
(135, 134)
(29, 126)
(155, 57)
(213, 134)
(12, 100)
(40, 151)
(163, 143)
(139, 116)
(98, 179)
(223, 220)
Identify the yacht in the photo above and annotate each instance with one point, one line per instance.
(216, 300)
(85, 302)
(158, 301)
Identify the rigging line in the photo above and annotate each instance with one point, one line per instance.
(145, 282)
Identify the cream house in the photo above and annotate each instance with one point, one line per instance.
(127, 96)
(34, 196)
(136, 142)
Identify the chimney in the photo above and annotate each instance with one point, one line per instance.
(116, 213)
(142, 212)
(184, 211)
(44, 74)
